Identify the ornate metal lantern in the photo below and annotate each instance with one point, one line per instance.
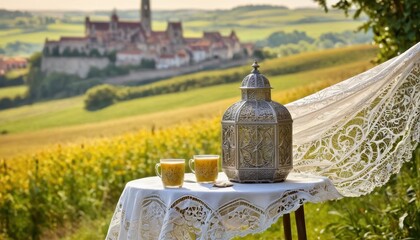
(256, 135)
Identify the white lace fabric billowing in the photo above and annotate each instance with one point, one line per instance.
(359, 132)
(199, 211)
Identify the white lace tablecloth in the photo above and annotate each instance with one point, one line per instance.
(146, 210)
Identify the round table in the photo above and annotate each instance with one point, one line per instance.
(146, 210)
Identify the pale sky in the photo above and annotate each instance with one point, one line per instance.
(88, 5)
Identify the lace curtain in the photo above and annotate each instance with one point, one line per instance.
(359, 132)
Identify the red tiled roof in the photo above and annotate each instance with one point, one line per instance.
(191, 40)
(167, 56)
(199, 48)
(159, 34)
(73, 39)
(99, 26)
(182, 53)
(202, 43)
(228, 40)
(158, 37)
(214, 36)
(15, 60)
(104, 26)
(219, 45)
(131, 51)
(129, 25)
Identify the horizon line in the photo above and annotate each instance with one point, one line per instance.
(159, 9)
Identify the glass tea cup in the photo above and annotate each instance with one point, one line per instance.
(206, 168)
(171, 172)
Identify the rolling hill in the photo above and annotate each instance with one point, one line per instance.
(33, 127)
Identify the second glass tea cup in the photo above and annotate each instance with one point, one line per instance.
(206, 168)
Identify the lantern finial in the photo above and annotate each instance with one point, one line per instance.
(255, 66)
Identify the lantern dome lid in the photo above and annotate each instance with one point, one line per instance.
(255, 79)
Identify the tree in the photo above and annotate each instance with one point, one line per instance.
(148, 63)
(281, 38)
(55, 51)
(34, 77)
(395, 23)
(100, 96)
(112, 56)
(94, 53)
(35, 60)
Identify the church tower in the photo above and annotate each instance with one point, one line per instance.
(146, 16)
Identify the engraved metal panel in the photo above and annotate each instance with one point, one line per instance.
(228, 146)
(284, 145)
(256, 145)
(229, 115)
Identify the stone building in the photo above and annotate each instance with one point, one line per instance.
(133, 42)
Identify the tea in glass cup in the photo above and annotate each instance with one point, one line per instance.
(171, 172)
(206, 168)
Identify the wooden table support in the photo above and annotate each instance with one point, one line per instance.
(286, 226)
(300, 225)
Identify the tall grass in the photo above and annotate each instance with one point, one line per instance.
(57, 187)
(391, 212)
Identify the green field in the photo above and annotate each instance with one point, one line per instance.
(63, 121)
(71, 112)
(12, 92)
(38, 35)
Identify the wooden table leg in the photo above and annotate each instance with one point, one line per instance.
(286, 226)
(300, 223)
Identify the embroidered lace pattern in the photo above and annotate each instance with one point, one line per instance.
(359, 132)
(193, 217)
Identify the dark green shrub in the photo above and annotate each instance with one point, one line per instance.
(149, 64)
(5, 102)
(100, 96)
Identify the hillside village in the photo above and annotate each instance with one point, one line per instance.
(135, 43)
(10, 63)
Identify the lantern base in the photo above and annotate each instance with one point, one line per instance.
(257, 175)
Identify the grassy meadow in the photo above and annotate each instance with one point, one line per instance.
(38, 35)
(13, 91)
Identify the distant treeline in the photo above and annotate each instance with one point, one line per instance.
(10, 80)
(19, 48)
(288, 43)
(7, 14)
